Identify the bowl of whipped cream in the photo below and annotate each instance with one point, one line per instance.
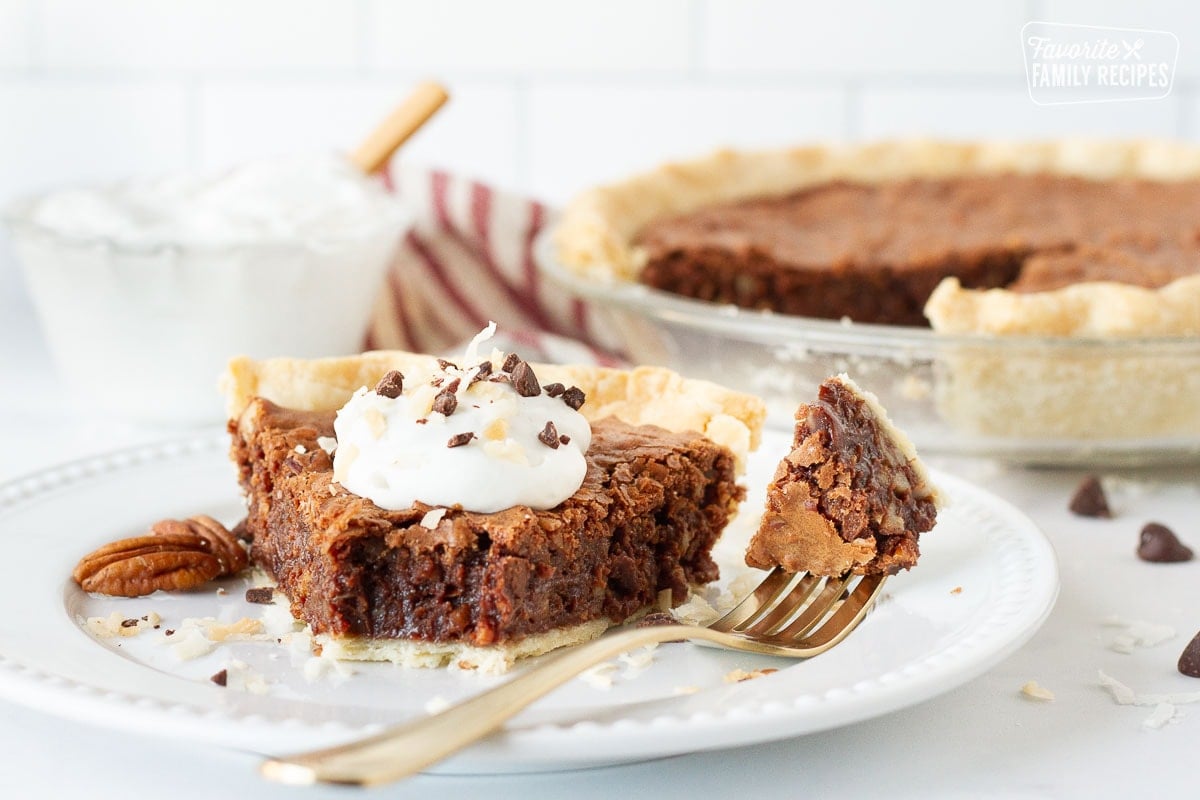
(145, 289)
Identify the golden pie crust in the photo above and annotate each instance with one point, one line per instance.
(596, 235)
(638, 396)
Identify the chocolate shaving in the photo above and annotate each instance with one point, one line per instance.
(445, 365)
(390, 385)
(574, 397)
(1160, 545)
(510, 363)
(554, 389)
(524, 381)
(422, 421)
(262, 595)
(221, 678)
(459, 439)
(169, 632)
(1089, 499)
(445, 402)
(564, 439)
(482, 371)
(549, 436)
(129, 623)
(1189, 660)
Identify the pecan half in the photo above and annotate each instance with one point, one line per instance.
(174, 556)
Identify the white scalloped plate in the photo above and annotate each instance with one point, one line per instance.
(986, 581)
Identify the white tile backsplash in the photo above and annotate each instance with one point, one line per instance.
(864, 36)
(1006, 114)
(217, 35)
(585, 134)
(475, 133)
(523, 35)
(16, 35)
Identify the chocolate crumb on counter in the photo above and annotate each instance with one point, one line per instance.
(169, 632)
(554, 389)
(524, 381)
(459, 439)
(1189, 660)
(262, 595)
(1159, 544)
(221, 678)
(549, 436)
(574, 397)
(1089, 499)
(445, 402)
(510, 363)
(390, 385)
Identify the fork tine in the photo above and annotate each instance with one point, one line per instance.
(784, 608)
(831, 595)
(846, 618)
(763, 596)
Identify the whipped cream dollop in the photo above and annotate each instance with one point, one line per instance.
(309, 199)
(486, 436)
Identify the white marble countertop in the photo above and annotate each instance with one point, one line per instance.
(983, 739)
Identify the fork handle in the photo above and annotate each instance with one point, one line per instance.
(406, 749)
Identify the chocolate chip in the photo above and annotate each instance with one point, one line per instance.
(129, 623)
(1189, 660)
(221, 678)
(459, 439)
(574, 397)
(262, 595)
(1159, 544)
(445, 402)
(482, 371)
(554, 389)
(390, 385)
(524, 381)
(445, 365)
(1089, 499)
(549, 436)
(511, 362)
(169, 632)
(564, 439)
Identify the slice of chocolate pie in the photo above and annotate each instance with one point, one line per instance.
(851, 496)
(411, 522)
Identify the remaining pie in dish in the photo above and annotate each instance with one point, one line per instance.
(851, 496)
(425, 585)
(868, 232)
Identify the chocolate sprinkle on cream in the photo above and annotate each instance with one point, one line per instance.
(511, 362)
(574, 397)
(390, 385)
(549, 436)
(554, 389)
(524, 381)
(445, 402)
(459, 439)
(444, 364)
(1159, 544)
(129, 623)
(564, 439)
(482, 371)
(1189, 660)
(262, 595)
(1089, 499)
(221, 678)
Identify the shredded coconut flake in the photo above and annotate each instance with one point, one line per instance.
(1036, 691)
(432, 517)
(1162, 714)
(696, 611)
(599, 676)
(327, 443)
(301, 449)
(1136, 633)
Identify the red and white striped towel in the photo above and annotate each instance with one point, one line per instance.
(469, 259)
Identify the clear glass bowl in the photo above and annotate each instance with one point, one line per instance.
(1032, 400)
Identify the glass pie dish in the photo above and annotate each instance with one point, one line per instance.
(1099, 401)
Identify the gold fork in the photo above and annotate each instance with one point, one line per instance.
(788, 614)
